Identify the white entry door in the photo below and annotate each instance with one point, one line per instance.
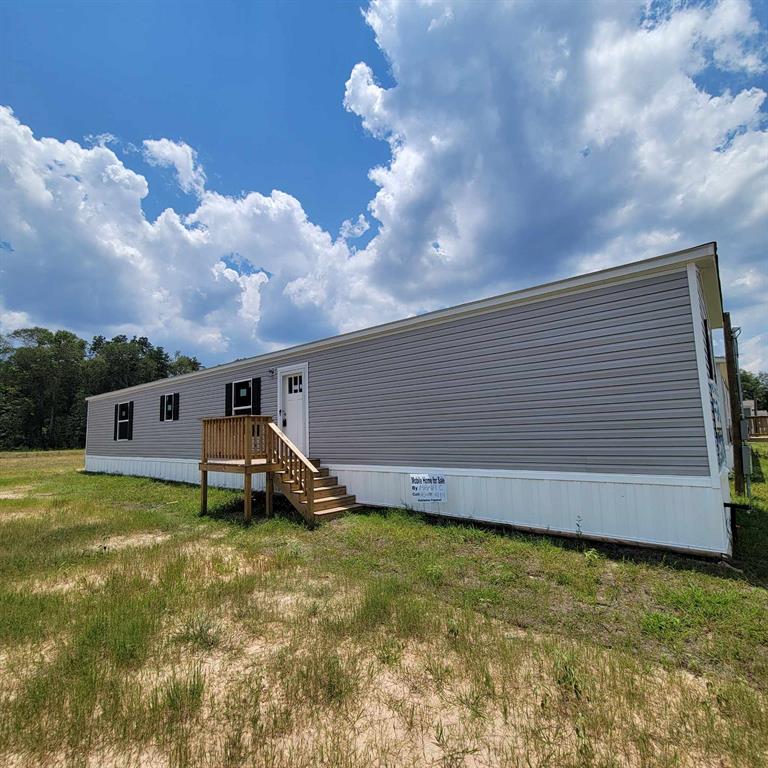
(292, 416)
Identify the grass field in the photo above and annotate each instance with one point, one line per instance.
(133, 632)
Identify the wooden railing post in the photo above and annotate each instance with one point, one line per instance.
(247, 425)
(309, 481)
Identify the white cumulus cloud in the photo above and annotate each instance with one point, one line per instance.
(351, 229)
(180, 156)
(527, 141)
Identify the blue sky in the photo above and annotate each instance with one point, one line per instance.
(229, 178)
(255, 88)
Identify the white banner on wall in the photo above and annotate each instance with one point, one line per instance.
(429, 487)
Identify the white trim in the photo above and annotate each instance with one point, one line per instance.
(704, 254)
(701, 365)
(287, 370)
(693, 481)
(165, 408)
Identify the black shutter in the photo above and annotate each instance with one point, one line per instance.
(130, 420)
(228, 400)
(256, 397)
(115, 429)
(162, 407)
(175, 406)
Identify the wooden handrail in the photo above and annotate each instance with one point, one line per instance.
(287, 440)
(298, 469)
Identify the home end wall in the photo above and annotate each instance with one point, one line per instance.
(711, 393)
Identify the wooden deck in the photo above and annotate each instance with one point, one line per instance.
(248, 444)
(237, 465)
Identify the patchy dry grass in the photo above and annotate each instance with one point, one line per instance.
(135, 633)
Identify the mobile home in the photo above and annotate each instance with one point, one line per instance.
(587, 406)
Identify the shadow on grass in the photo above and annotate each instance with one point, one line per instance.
(232, 511)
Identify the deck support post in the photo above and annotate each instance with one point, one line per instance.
(203, 492)
(248, 506)
(269, 496)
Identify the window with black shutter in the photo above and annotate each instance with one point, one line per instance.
(123, 427)
(169, 407)
(243, 397)
(241, 402)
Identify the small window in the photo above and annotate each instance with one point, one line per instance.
(243, 397)
(123, 428)
(295, 384)
(243, 392)
(169, 407)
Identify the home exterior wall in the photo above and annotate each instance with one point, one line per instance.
(616, 366)
(582, 414)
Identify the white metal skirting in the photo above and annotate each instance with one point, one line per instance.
(683, 513)
(176, 470)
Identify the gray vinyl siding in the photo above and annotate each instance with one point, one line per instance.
(603, 380)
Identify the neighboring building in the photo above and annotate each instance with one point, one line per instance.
(631, 446)
(748, 407)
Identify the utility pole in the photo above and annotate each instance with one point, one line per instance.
(732, 365)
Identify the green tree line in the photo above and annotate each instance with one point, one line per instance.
(754, 386)
(46, 375)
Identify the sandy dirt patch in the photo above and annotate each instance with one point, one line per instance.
(16, 492)
(115, 543)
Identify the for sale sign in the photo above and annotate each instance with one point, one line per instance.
(429, 487)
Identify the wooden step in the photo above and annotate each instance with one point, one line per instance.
(334, 512)
(330, 490)
(331, 502)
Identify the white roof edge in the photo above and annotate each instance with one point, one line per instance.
(704, 255)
